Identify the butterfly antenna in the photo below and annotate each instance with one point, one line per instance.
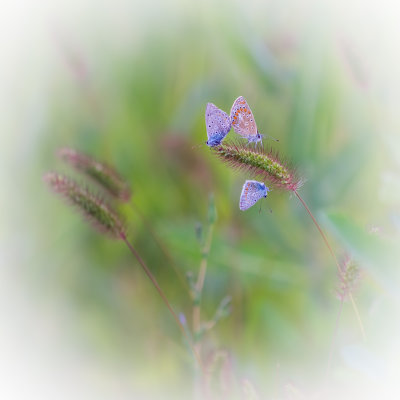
(269, 137)
(272, 138)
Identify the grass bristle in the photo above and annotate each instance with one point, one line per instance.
(99, 214)
(101, 173)
(259, 163)
(349, 278)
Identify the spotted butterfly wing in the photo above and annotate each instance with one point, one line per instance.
(252, 192)
(243, 121)
(218, 124)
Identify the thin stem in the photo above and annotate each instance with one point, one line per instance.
(162, 247)
(355, 308)
(200, 279)
(320, 231)
(162, 295)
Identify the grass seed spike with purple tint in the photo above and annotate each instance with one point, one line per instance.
(252, 192)
(218, 124)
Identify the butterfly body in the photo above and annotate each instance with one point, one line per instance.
(216, 139)
(218, 124)
(243, 121)
(255, 139)
(252, 192)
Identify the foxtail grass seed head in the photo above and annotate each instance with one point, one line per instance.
(101, 173)
(258, 162)
(349, 278)
(99, 214)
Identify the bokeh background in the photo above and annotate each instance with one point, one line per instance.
(127, 82)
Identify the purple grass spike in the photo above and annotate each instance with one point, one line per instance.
(265, 164)
(101, 173)
(99, 214)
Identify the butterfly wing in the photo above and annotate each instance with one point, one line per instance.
(218, 124)
(243, 121)
(252, 192)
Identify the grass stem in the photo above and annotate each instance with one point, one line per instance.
(162, 247)
(164, 298)
(353, 303)
(200, 279)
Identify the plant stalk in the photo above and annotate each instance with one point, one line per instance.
(353, 303)
(200, 279)
(162, 247)
(164, 298)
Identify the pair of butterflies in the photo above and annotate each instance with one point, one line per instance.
(219, 123)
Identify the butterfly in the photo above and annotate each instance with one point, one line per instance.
(218, 124)
(243, 122)
(252, 192)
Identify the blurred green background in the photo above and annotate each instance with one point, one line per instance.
(128, 84)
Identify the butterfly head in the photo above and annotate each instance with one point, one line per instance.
(212, 142)
(266, 190)
(215, 140)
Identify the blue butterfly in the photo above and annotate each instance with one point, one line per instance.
(218, 124)
(252, 192)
